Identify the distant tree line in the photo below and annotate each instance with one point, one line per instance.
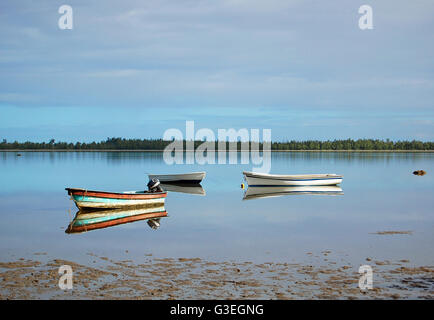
(159, 144)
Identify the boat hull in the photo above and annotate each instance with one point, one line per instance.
(255, 179)
(87, 199)
(186, 178)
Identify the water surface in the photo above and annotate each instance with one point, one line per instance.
(380, 193)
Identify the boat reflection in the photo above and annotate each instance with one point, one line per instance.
(269, 192)
(184, 188)
(98, 219)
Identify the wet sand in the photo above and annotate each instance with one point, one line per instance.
(391, 232)
(322, 275)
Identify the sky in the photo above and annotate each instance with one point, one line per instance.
(133, 69)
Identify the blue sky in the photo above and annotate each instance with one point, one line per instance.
(136, 68)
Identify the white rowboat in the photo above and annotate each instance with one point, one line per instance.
(263, 179)
(193, 177)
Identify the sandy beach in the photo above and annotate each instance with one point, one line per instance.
(322, 275)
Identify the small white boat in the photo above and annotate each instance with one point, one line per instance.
(193, 177)
(269, 192)
(263, 179)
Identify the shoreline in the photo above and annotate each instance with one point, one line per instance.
(143, 150)
(323, 276)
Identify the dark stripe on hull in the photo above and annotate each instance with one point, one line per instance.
(181, 182)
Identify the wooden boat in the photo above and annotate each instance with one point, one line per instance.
(262, 179)
(89, 199)
(268, 192)
(192, 177)
(184, 188)
(92, 220)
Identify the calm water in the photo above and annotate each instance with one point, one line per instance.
(380, 193)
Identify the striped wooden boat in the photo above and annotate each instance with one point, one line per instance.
(262, 179)
(268, 192)
(92, 220)
(89, 199)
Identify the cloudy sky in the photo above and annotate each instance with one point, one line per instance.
(136, 68)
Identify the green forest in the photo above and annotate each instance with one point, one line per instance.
(159, 144)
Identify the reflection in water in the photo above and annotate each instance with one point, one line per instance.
(150, 157)
(98, 219)
(154, 223)
(184, 188)
(268, 192)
